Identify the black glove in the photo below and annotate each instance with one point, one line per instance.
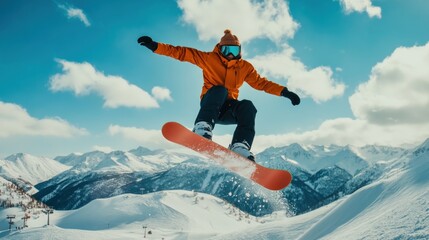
(148, 42)
(294, 98)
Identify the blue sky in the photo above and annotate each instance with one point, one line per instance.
(74, 79)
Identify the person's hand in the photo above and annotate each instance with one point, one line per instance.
(294, 98)
(148, 42)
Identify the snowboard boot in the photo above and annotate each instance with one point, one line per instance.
(242, 149)
(203, 129)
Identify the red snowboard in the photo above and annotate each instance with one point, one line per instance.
(272, 179)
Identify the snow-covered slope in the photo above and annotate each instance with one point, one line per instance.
(169, 215)
(30, 168)
(394, 206)
(392, 203)
(11, 195)
(181, 209)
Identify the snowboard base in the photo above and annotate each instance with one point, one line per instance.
(273, 179)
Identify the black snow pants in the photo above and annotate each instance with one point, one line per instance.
(217, 109)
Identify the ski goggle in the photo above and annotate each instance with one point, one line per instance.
(230, 49)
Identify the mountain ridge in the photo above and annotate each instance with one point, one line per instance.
(193, 173)
(393, 206)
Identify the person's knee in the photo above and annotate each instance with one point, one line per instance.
(248, 107)
(246, 113)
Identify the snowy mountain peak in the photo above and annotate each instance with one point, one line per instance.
(321, 150)
(425, 144)
(118, 161)
(312, 158)
(141, 151)
(296, 147)
(17, 157)
(69, 160)
(422, 149)
(32, 169)
(76, 159)
(376, 153)
(345, 159)
(95, 160)
(140, 159)
(296, 152)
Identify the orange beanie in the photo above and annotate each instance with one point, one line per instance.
(229, 39)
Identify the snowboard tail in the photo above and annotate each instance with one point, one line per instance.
(273, 179)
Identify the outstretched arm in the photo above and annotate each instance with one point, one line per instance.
(263, 84)
(186, 54)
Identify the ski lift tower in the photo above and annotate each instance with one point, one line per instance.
(26, 216)
(10, 218)
(48, 211)
(144, 227)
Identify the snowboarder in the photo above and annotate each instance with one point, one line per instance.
(224, 72)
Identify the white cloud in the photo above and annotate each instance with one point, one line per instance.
(391, 108)
(316, 83)
(263, 19)
(83, 79)
(148, 138)
(153, 138)
(105, 149)
(15, 121)
(348, 131)
(397, 91)
(161, 93)
(361, 6)
(75, 13)
(247, 19)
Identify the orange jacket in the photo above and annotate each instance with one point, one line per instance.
(218, 71)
